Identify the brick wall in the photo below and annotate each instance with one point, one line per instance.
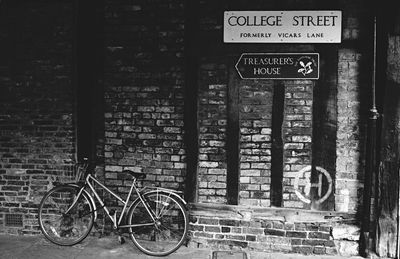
(353, 104)
(340, 129)
(255, 98)
(36, 116)
(265, 235)
(352, 110)
(340, 107)
(287, 231)
(349, 149)
(144, 102)
(325, 120)
(144, 93)
(212, 133)
(297, 134)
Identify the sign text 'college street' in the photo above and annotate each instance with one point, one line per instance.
(282, 26)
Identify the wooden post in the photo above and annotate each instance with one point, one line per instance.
(233, 129)
(398, 219)
(191, 93)
(89, 92)
(278, 104)
(370, 162)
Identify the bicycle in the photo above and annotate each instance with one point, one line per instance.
(157, 220)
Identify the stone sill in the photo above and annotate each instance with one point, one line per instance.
(291, 215)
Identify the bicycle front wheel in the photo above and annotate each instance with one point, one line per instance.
(162, 233)
(64, 218)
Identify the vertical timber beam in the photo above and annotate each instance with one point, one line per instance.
(385, 178)
(370, 161)
(191, 92)
(85, 77)
(278, 103)
(233, 128)
(372, 193)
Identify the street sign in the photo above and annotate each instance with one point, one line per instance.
(283, 26)
(278, 66)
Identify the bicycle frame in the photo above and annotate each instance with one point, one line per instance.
(116, 221)
(157, 219)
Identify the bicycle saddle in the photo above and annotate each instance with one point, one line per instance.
(136, 175)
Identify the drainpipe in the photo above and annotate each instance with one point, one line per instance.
(365, 246)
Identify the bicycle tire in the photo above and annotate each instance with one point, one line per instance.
(168, 233)
(65, 229)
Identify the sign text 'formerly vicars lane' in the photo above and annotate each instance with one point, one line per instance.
(282, 26)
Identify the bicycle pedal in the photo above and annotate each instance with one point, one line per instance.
(121, 240)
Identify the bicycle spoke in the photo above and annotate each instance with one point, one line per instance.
(164, 205)
(163, 235)
(177, 233)
(62, 223)
(156, 201)
(166, 210)
(169, 230)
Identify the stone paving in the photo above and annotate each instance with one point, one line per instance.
(32, 247)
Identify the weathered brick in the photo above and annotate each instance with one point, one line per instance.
(236, 237)
(228, 222)
(278, 225)
(296, 241)
(289, 226)
(212, 229)
(318, 235)
(300, 226)
(202, 234)
(254, 231)
(296, 234)
(319, 250)
(198, 228)
(237, 230)
(225, 229)
(312, 227)
(274, 232)
(306, 250)
(208, 221)
(251, 238)
(317, 242)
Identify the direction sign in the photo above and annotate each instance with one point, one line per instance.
(278, 66)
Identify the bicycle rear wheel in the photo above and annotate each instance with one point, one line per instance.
(59, 222)
(167, 232)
